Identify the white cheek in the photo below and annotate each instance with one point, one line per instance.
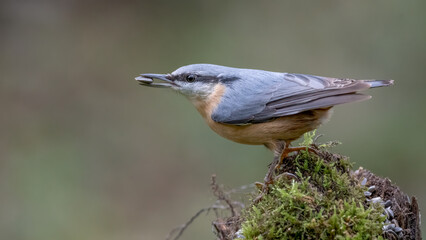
(197, 89)
(203, 89)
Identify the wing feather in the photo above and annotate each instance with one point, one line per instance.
(263, 96)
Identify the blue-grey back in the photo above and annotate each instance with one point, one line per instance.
(258, 96)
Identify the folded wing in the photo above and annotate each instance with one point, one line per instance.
(264, 96)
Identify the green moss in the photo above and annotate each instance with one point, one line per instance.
(324, 203)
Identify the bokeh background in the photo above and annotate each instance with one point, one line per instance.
(86, 153)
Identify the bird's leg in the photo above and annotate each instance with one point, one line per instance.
(297, 149)
(269, 175)
(281, 151)
(288, 149)
(283, 154)
(269, 179)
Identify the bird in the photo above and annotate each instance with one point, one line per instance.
(259, 107)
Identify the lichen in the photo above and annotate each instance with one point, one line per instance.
(323, 202)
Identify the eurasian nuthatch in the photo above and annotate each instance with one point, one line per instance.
(260, 107)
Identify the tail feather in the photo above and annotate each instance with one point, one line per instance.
(379, 83)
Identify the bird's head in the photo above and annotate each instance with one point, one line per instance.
(196, 81)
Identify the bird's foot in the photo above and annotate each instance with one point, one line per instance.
(286, 176)
(283, 176)
(275, 165)
(289, 150)
(264, 187)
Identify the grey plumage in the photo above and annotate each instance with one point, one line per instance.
(259, 96)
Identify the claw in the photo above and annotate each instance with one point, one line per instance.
(287, 176)
(316, 138)
(259, 185)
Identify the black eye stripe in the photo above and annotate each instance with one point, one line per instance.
(191, 77)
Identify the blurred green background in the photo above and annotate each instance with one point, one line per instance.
(86, 153)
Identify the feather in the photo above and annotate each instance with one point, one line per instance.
(260, 96)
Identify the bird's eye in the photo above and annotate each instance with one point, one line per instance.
(190, 78)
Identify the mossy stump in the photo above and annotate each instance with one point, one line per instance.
(320, 197)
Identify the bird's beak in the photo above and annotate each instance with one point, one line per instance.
(146, 79)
